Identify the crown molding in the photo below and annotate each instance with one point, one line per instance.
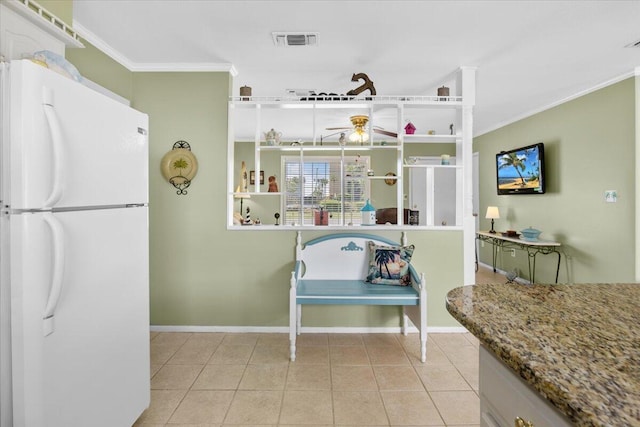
(576, 95)
(150, 67)
(185, 67)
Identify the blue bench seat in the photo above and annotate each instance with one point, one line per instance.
(355, 292)
(330, 270)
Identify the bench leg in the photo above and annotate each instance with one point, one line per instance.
(292, 319)
(405, 322)
(292, 349)
(294, 329)
(292, 334)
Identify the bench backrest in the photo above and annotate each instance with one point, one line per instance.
(339, 256)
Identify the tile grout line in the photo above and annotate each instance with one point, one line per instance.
(186, 391)
(406, 347)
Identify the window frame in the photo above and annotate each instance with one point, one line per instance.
(325, 189)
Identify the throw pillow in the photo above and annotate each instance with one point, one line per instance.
(389, 265)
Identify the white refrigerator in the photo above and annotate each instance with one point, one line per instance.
(74, 256)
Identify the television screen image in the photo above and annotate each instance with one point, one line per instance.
(521, 170)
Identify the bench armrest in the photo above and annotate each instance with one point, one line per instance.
(417, 280)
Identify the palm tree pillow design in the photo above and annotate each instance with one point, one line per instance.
(389, 265)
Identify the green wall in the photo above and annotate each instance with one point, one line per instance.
(63, 9)
(590, 148)
(101, 69)
(201, 273)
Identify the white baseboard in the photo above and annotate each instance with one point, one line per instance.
(307, 329)
(504, 273)
(230, 329)
(447, 330)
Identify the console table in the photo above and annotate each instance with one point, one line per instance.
(533, 248)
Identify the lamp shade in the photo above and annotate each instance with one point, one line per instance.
(359, 135)
(492, 212)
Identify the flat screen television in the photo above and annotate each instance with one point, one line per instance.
(521, 170)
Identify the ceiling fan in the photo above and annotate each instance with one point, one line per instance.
(359, 133)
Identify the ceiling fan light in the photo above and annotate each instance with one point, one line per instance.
(359, 122)
(359, 136)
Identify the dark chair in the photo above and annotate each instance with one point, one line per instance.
(390, 215)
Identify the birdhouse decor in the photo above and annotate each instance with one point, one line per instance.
(410, 129)
(368, 214)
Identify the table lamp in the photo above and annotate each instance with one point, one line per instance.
(241, 195)
(492, 213)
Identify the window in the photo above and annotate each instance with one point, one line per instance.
(324, 190)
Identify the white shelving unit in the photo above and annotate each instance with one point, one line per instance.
(316, 115)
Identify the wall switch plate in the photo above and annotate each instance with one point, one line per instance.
(611, 196)
(513, 253)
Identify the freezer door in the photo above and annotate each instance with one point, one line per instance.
(80, 318)
(70, 146)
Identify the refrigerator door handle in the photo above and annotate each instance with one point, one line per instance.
(56, 137)
(58, 272)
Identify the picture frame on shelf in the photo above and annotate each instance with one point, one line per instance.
(252, 177)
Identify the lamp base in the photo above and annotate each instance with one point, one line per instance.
(492, 231)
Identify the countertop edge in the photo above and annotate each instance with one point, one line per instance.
(547, 389)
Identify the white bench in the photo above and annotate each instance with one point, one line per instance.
(332, 270)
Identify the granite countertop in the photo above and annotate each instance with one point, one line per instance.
(578, 345)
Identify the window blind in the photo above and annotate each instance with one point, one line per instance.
(335, 185)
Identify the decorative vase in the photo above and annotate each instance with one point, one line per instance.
(320, 217)
(443, 91)
(245, 93)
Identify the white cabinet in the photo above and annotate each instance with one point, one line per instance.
(504, 397)
(317, 174)
(26, 27)
(433, 186)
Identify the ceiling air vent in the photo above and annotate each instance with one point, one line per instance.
(294, 39)
(634, 44)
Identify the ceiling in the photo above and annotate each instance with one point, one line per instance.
(529, 55)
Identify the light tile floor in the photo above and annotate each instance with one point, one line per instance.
(220, 379)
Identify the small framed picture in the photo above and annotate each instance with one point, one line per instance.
(252, 177)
